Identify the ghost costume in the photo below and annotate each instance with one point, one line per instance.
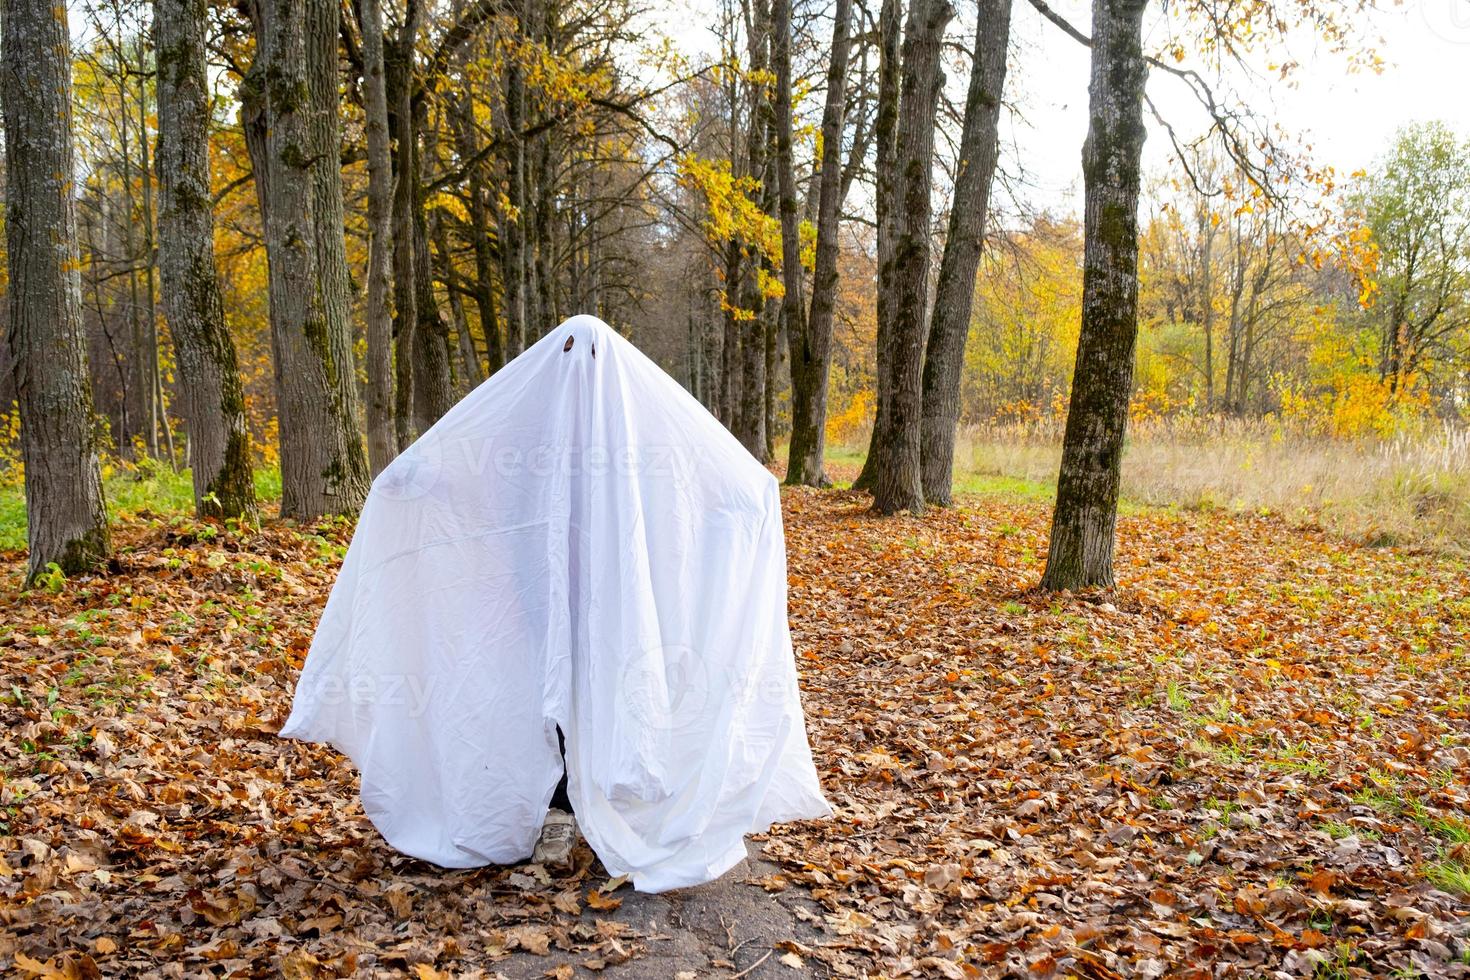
(577, 543)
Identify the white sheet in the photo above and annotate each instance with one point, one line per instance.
(576, 543)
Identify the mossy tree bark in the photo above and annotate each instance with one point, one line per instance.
(323, 466)
(894, 453)
(214, 401)
(885, 128)
(382, 442)
(954, 293)
(810, 338)
(514, 270)
(433, 380)
(754, 383)
(66, 521)
(398, 74)
(1084, 522)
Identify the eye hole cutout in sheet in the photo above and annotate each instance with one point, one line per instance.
(568, 346)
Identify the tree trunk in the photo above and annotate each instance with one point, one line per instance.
(513, 237)
(382, 441)
(546, 306)
(1083, 525)
(433, 384)
(894, 454)
(398, 73)
(1207, 300)
(214, 402)
(324, 129)
(811, 340)
(954, 295)
(734, 260)
(323, 466)
(467, 144)
(141, 381)
(751, 417)
(885, 172)
(775, 348)
(751, 430)
(160, 421)
(473, 370)
(66, 521)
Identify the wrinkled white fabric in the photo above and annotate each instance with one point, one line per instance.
(576, 543)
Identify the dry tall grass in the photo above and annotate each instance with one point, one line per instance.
(1410, 490)
(1407, 490)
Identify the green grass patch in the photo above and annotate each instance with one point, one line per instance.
(1449, 875)
(149, 487)
(1378, 800)
(1177, 698)
(1337, 830)
(1010, 487)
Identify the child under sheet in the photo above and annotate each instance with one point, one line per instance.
(574, 583)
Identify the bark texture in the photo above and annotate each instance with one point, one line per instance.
(214, 401)
(513, 234)
(399, 75)
(893, 457)
(766, 35)
(467, 143)
(382, 441)
(954, 293)
(885, 129)
(1083, 525)
(810, 338)
(66, 521)
(323, 466)
(433, 384)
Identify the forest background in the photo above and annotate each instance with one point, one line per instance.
(1304, 312)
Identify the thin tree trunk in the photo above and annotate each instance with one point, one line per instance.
(142, 381)
(1084, 523)
(730, 327)
(545, 240)
(751, 417)
(1207, 302)
(468, 146)
(214, 402)
(885, 173)
(775, 358)
(513, 238)
(473, 371)
(160, 420)
(398, 72)
(954, 294)
(811, 340)
(751, 430)
(382, 441)
(433, 383)
(66, 520)
(323, 466)
(894, 455)
(119, 363)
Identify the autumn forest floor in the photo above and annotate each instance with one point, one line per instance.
(1252, 757)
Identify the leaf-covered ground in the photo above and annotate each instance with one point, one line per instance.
(1252, 758)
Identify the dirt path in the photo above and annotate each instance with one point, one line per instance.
(728, 928)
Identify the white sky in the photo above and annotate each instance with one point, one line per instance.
(1348, 119)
